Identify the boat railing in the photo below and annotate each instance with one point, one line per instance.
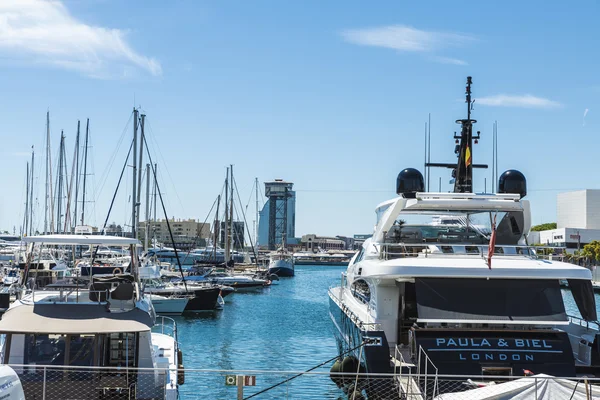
(595, 325)
(72, 296)
(166, 325)
(390, 251)
(363, 325)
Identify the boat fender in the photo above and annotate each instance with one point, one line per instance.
(274, 277)
(354, 393)
(180, 369)
(117, 271)
(333, 372)
(349, 364)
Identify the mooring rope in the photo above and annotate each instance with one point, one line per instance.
(365, 341)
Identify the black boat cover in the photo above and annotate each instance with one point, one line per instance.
(472, 300)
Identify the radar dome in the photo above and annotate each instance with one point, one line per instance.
(409, 182)
(513, 181)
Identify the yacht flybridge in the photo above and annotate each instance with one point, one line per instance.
(451, 275)
(106, 329)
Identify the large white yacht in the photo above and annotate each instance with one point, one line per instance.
(106, 329)
(426, 285)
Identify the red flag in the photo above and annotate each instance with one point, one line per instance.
(492, 243)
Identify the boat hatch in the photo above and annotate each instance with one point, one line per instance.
(490, 301)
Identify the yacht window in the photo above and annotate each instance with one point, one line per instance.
(361, 291)
(456, 227)
(81, 350)
(122, 349)
(45, 349)
(492, 301)
(360, 255)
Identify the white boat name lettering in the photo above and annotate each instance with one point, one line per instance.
(498, 343)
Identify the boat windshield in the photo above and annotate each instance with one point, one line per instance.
(467, 227)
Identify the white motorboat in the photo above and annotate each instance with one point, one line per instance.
(468, 297)
(169, 304)
(108, 325)
(281, 263)
(238, 282)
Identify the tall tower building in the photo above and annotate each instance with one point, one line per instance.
(278, 217)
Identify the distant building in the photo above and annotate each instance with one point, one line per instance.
(114, 230)
(237, 235)
(577, 220)
(571, 238)
(274, 220)
(316, 243)
(579, 209)
(187, 233)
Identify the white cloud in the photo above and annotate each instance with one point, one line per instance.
(408, 39)
(449, 60)
(523, 101)
(585, 114)
(44, 32)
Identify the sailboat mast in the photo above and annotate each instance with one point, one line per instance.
(49, 182)
(31, 193)
(285, 214)
(140, 170)
(85, 151)
(155, 185)
(134, 188)
(147, 202)
(76, 173)
(226, 244)
(231, 242)
(70, 222)
(46, 175)
(256, 224)
(217, 230)
(26, 216)
(60, 184)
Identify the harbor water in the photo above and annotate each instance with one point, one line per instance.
(283, 328)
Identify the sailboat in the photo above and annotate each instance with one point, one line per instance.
(281, 261)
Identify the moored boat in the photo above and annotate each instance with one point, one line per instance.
(448, 280)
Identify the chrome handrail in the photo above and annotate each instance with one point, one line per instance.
(172, 326)
(399, 250)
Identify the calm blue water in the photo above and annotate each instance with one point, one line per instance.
(283, 328)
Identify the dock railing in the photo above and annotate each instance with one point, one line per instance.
(60, 382)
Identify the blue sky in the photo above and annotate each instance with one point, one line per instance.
(332, 96)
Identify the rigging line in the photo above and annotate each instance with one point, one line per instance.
(217, 216)
(365, 341)
(250, 198)
(234, 183)
(262, 197)
(162, 203)
(112, 158)
(164, 162)
(112, 202)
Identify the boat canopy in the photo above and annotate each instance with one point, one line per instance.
(72, 319)
(82, 240)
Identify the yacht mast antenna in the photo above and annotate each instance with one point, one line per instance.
(462, 171)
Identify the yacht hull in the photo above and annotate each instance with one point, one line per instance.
(282, 268)
(169, 305)
(203, 300)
